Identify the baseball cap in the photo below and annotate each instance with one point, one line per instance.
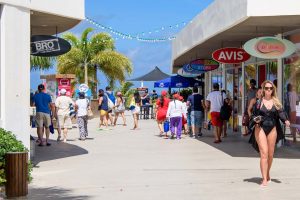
(63, 91)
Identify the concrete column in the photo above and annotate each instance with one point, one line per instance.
(15, 71)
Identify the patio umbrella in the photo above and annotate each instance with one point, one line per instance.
(154, 75)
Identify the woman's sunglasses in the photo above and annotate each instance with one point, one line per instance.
(268, 88)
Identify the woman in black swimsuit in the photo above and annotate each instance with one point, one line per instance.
(268, 131)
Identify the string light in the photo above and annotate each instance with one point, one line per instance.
(136, 36)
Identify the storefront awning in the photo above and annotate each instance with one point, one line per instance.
(231, 23)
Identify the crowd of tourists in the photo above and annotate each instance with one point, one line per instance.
(176, 114)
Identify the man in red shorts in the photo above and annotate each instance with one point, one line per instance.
(214, 102)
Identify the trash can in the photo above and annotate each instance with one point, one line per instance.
(16, 169)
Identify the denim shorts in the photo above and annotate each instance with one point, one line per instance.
(196, 118)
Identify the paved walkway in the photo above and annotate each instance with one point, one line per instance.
(139, 165)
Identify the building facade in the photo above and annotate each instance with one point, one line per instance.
(20, 19)
(232, 23)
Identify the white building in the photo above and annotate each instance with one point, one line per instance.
(231, 23)
(19, 20)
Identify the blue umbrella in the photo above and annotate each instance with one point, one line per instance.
(177, 82)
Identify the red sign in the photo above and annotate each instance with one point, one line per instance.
(230, 55)
(65, 83)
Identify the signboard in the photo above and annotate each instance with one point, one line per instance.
(200, 66)
(47, 46)
(64, 83)
(183, 73)
(230, 55)
(270, 47)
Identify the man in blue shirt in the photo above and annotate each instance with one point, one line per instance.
(195, 104)
(43, 101)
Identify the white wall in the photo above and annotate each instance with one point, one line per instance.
(273, 7)
(67, 8)
(15, 71)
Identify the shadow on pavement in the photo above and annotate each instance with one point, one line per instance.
(236, 145)
(57, 150)
(257, 180)
(51, 193)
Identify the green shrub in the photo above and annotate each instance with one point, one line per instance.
(9, 143)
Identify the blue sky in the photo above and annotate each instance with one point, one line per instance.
(132, 17)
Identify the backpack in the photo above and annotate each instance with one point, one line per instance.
(225, 112)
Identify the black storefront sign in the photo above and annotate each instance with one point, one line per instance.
(48, 46)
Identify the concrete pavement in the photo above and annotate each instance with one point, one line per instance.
(137, 164)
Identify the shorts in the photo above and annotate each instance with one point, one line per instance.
(216, 119)
(64, 121)
(43, 119)
(103, 112)
(196, 118)
(136, 110)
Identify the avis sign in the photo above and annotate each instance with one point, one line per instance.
(47, 46)
(230, 55)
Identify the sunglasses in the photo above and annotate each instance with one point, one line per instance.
(268, 88)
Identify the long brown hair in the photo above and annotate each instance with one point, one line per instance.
(275, 99)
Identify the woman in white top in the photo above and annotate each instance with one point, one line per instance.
(120, 108)
(82, 105)
(175, 112)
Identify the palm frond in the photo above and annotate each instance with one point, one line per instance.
(41, 63)
(70, 37)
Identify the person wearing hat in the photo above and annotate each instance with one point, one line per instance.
(82, 105)
(162, 105)
(175, 112)
(62, 104)
(214, 102)
(43, 101)
(120, 108)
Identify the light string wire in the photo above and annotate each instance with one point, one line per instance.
(137, 36)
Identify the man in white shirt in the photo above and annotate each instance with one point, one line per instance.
(63, 103)
(175, 112)
(214, 101)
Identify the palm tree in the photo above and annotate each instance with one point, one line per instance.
(88, 55)
(41, 63)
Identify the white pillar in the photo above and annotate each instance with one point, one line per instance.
(280, 76)
(224, 85)
(243, 89)
(15, 71)
(142, 83)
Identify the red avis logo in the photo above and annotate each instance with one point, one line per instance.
(230, 55)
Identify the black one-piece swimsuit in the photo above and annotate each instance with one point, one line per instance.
(268, 118)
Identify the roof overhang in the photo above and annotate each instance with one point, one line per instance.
(49, 24)
(231, 23)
